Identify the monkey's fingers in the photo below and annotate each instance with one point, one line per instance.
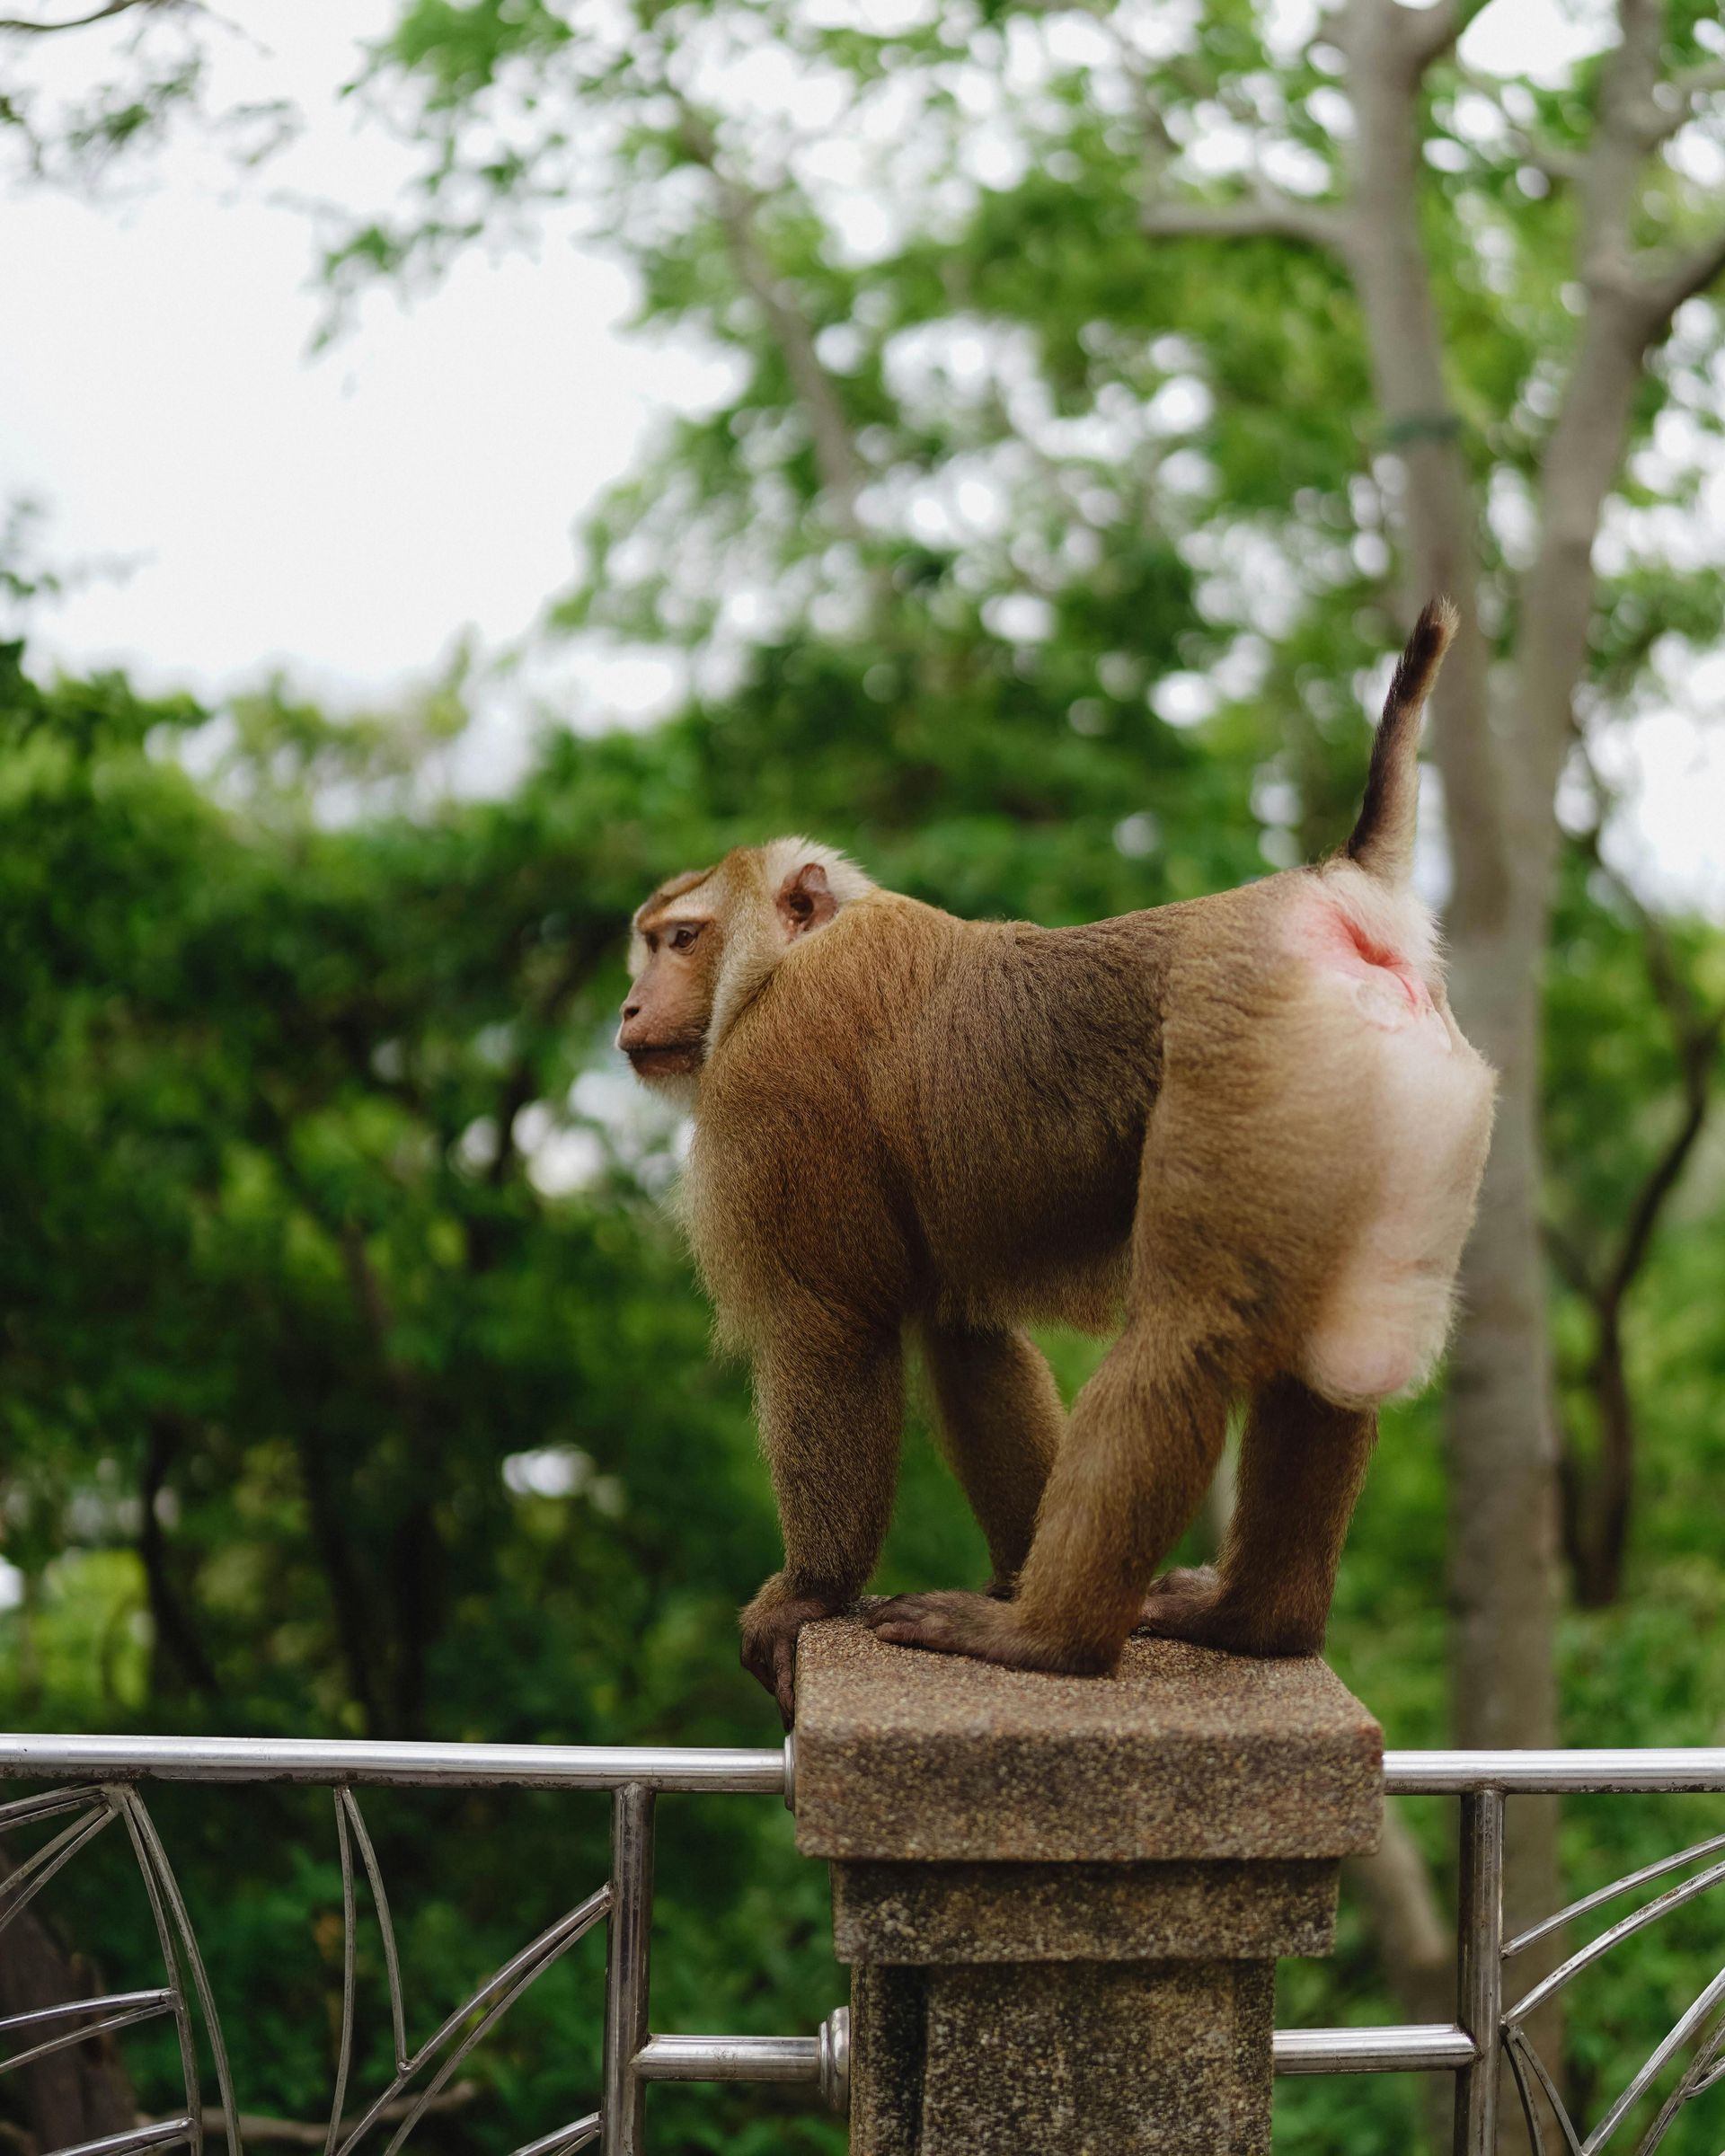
(784, 1676)
(759, 1657)
(774, 1669)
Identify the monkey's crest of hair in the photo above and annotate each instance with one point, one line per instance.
(780, 858)
(749, 960)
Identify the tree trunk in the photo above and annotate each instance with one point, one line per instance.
(83, 2092)
(1597, 1500)
(1505, 1562)
(1500, 756)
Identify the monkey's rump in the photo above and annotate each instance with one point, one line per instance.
(1419, 1099)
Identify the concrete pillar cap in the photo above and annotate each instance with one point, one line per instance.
(1182, 1754)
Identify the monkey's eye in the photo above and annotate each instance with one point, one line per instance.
(681, 938)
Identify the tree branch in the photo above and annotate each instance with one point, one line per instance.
(1662, 115)
(1563, 166)
(1663, 1176)
(176, 1631)
(1664, 289)
(19, 27)
(1611, 170)
(1427, 33)
(1598, 1499)
(1265, 216)
(1585, 454)
(843, 472)
(256, 2129)
(1570, 1259)
(1696, 1037)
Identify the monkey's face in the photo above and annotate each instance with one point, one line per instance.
(674, 954)
(705, 943)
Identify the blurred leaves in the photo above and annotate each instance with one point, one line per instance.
(351, 1376)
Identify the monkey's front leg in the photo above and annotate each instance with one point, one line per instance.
(830, 1415)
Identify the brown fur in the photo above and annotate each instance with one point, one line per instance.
(1244, 1129)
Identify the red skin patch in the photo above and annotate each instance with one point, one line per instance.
(1340, 945)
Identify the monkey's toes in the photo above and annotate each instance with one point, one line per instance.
(1182, 1605)
(947, 1622)
(1195, 1606)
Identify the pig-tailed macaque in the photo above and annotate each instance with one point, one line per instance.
(1244, 1129)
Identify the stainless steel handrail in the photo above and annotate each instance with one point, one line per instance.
(1679, 1769)
(239, 1759)
(1470, 2047)
(1419, 2047)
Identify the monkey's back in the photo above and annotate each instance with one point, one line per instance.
(981, 1090)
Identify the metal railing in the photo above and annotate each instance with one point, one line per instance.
(1486, 2030)
(103, 1776)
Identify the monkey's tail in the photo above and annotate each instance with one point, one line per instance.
(1383, 839)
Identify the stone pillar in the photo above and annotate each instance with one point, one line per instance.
(1062, 1899)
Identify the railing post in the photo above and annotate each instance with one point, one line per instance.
(1479, 2001)
(627, 1972)
(1062, 1899)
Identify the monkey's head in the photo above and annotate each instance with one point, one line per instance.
(706, 943)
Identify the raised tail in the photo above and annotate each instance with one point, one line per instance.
(1383, 838)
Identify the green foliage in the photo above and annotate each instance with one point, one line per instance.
(351, 1376)
(290, 1285)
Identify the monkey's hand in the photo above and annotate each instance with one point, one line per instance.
(770, 1625)
(1194, 1604)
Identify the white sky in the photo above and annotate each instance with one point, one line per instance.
(349, 513)
(349, 516)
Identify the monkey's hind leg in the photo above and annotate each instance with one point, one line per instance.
(1145, 1437)
(1001, 1426)
(1302, 1463)
(830, 1413)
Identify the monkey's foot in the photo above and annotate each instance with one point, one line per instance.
(770, 1625)
(1193, 1605)
(950, 1622)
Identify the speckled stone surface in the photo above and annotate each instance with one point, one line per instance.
(1182, 1754)
(888, 2055)
(1065, 2059)
(1022, 1913)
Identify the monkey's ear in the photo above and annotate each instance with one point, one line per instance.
(805, 900)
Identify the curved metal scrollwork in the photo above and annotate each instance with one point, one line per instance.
(420, 2075)
(1706, 2065)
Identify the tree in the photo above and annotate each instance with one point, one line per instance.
(1391, 296)
(1651, 1086)
(1042, 557)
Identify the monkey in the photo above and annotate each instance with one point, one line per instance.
(1243, 1133)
